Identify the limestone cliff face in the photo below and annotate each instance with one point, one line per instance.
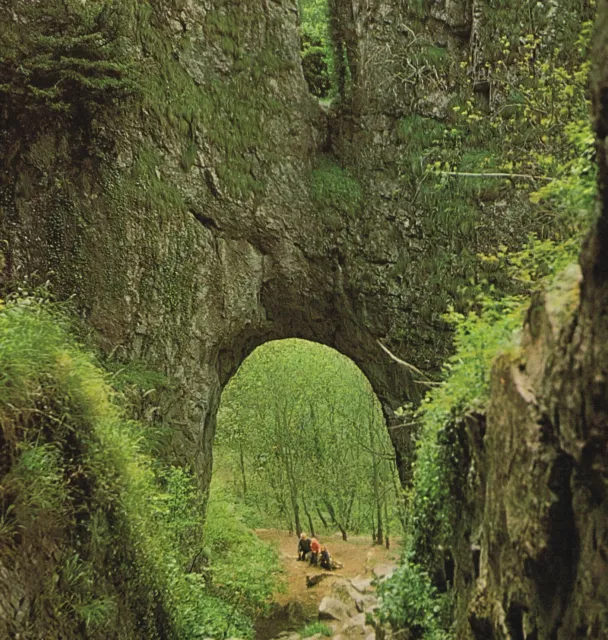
(184, 224)
(184, 220)
(533, 562)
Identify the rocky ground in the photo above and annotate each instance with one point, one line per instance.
(341, 599)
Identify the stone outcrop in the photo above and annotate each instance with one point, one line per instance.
(184, 222)
(533, 557)
(186, 228)
(333, 609)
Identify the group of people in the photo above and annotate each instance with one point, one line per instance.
(311, 549)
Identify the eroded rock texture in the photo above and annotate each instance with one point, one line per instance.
(184, 221)
(186, 228)
(534, 557)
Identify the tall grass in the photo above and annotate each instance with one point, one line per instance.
(116, 531)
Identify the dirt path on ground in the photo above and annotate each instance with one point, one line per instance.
(300, 603)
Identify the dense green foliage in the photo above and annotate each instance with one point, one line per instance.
(317, 50)
(489, 168)
(410, 601)
(303, 436)
(72, 60)
(117, 535)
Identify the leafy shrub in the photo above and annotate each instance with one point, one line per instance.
(317, 49)
(410, 601)
(316, 71)
(244, 570)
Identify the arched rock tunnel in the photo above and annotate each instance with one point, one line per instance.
(184, 224)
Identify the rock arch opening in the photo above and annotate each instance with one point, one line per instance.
(302, 441)
(328, 48)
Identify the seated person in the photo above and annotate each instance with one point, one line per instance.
(325, 559)
(315, 548)
(303, 546)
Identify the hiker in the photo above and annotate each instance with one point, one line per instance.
(303, 546)
(315, 548)
(325, 559)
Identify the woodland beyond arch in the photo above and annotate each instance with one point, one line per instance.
(302, 439)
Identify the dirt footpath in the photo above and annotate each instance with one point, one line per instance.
(358, 556)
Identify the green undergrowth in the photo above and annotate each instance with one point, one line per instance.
(436, 500)
(111, 541)
(510, 155)
(316, 628)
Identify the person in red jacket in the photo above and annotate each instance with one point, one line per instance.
(315, 547)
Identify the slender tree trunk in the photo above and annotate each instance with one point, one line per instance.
(387, 524)
(309, 518)
(334, 519)
(380, 533)
(322, 518)
(296, 515)
(349, 510)
(373, 528)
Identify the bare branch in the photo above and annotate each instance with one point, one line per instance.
(403, 363)
(465, 174)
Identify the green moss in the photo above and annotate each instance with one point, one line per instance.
(336, 189)
(231, 110)
(436, 57)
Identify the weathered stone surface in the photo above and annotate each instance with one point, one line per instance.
(333, 609)
(384, 571)
(344, 589)
(361, 584)
(534, 563)
(174, 266)
(188, 240)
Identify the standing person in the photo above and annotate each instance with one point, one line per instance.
(315, 548)
(325, 559)
(303, 546)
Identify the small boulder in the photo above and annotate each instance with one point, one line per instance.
(333, 609)
(355, 628)
(384, 571)
(366, 603)
(361, 584)
(355, 621)
(313, 579)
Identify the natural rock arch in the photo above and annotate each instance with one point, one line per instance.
(186, 225)
(167, 265)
